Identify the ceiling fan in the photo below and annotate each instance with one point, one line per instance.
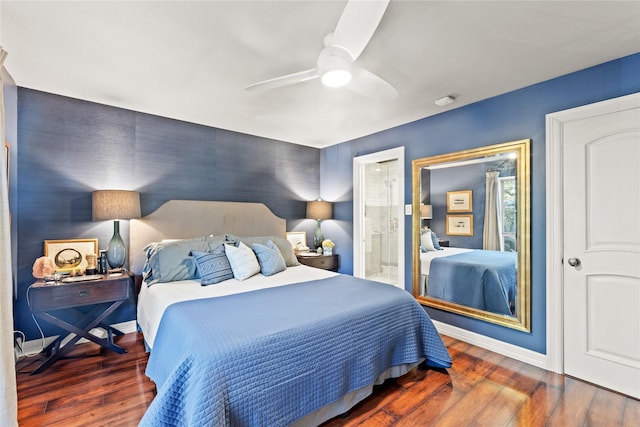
(335, 66)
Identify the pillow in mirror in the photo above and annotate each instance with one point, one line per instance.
(426, 241)
(434, 239)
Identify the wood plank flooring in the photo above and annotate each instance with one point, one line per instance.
(481, 389)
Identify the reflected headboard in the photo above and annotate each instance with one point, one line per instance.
(184, 219)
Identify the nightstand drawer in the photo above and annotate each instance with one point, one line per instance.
(325, 262)
(54, 297)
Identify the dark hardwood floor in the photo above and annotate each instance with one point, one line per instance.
(481, 389)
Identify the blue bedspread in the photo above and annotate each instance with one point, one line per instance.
(269, 357)
(481, 279)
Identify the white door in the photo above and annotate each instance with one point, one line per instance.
(378, 221)
(601, 268)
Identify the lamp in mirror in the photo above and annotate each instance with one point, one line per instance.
(115, 205)
(319, 210)
(426, 211)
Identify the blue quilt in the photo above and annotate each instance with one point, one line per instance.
(481, 279)
(270, 357)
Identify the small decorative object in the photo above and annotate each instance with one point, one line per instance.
(102, 262)
(319, 250)
(91, 263)
(327, 247)
(43, 267)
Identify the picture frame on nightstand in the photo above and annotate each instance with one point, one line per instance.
(71, 254)
(298, 240)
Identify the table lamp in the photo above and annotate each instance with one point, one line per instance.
(116, 205)
(319, 210)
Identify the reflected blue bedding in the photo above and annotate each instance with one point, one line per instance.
(482, 279)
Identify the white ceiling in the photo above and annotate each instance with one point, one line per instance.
(190, 60)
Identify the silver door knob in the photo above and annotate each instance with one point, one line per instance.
(574, 262)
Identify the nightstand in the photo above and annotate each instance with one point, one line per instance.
(325, 262)
(106, 294)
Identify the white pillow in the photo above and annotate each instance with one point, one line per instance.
(426, 243)
(244, 263)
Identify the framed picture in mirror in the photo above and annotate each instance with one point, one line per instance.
(459, 201)
(459, 225)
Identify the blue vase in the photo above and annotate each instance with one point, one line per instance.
(116, 250)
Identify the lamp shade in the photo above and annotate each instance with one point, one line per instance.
(115, 204)
(319, 209)
(426, 212)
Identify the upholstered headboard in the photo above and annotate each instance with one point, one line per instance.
(183, 219)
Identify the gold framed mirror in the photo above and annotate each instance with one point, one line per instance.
(471, 234)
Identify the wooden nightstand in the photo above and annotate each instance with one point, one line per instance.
(105, 294)
(325, 262)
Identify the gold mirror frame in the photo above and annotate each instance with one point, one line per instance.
(523, 319)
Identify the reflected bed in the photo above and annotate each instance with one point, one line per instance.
(486, 280)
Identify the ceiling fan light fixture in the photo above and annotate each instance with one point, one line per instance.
(337, 77)
(334, 64)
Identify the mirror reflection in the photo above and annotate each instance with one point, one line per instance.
(471, 239)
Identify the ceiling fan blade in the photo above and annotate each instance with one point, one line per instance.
(371, 85)
(357, 24)
(286, 80)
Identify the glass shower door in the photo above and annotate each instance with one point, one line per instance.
(381, 222)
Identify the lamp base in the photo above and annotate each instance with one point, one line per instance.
(116, 250)
(318, 237)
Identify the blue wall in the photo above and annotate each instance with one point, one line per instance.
(512, 116)
(68, 148)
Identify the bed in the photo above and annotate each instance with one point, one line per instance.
(296, 347)
(477, 278)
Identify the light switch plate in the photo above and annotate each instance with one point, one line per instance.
(407, 209)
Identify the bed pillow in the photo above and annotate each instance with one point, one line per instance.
(269, 258)
(285, 246)
(171, 261)
(426, 243)
(434, 239)
(213, 267)
(243, 261)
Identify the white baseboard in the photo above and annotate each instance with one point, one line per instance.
(513, 351)
(32, 347)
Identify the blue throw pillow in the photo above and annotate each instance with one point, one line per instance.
(170, 261)
(285, 247)
(213, 266)
(436, 244)
(270, 258)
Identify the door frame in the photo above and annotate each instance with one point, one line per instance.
(554, 216)
(359, 164)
